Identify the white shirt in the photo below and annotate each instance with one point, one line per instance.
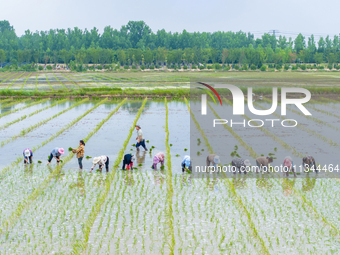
(140, 134)
(101, 162)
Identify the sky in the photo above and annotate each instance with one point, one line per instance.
(288, 17)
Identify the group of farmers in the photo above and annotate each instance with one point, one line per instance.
(239, 164)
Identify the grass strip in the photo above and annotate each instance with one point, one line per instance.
(22, 87)
(61, 82)
(36, 82)
(9, 104)
(33, 113)
(15, 80)
(92, 78)
(24, 107)
(48, 82)
(70, 81)
(79, 76)
(80, 246)
(6, 169)
(9, 77)
(40, 123)
(309, 131)
(5, 101)
(26, 203)
(170, 188)
(237, 199)
(302, 198)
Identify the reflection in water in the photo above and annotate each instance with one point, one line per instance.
(134, 107)
(80, 183)
(159, 177)
(288, 186)
(212, 184)
(59, 174)
(129, 179)
(264, 183)
(240, 183)
(28, 170)
(186, 179)
(308, 184)
(140, 156)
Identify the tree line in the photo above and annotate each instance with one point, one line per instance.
(136, 44)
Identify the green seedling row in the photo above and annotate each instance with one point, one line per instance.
(49, 84)
(9, 86)
(23, 85)
(60, 82)
(71, 81)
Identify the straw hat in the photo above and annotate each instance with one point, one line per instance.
(247, 162)
(95, 160)
(27, 153)
(61, 151)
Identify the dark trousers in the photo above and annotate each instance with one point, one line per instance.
(107, 164)
(29, 159)
(80, 162)
(183, 167)
(126, 160)
(51, 157)
(141, 143)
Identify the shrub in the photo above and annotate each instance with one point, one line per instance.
(217, 66)
(337, 67)
(100, 67)
(193, 67)
(201, 67)
(309, 67)
(303, 67)
(185, 67)
(286, 67)
(253, 67)
(236, 67)
(294, 67)
(278, 67)
(142, 67)
(270, 65)
(320, 67)
(227, 68)
(263, 68)
(209, 67)
(49, 68)
(134, 67)
(152, 67)
(245, 67)
(41, 68)
(330, 66)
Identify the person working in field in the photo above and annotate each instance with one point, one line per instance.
(262, 162)
(213, 159)
(140, 138)
(309, 163)
(158, 158)
(28, 156)
(56, 153)
(186, 164)
(80, 153)
(240, 165)
(128, 161)
(101, 161)
(288, 165)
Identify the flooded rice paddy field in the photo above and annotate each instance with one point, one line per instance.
(61, 210)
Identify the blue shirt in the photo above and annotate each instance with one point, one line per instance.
(55, 152)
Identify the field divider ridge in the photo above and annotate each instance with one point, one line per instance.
(22, 87)
(15, 80)
(61, 83)
(40, 123)
(80, 246)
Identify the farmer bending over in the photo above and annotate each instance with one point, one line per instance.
(80, 153)
(28, 155)
(309, 163)
(288, 166)
(101, 161)
(240, 164)
(186, 163)
(128, 161)
(262, 162)
(213, 159)
(140, 138)
(158, 158)
(56, 153)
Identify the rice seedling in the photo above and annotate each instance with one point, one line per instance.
(49, 84)
(185, 149)
(9, 86)
(81, 79)
(33, 113)
(71, 81)
(24, 107)
(8, 77)
(9, 104)
(147, 141)
(23, 85)
(69, 125)
(36, 82)
(177, 155)
(29, 129)
(88, 157)
(61, 83)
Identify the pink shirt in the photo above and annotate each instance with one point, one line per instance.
(287, 162)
